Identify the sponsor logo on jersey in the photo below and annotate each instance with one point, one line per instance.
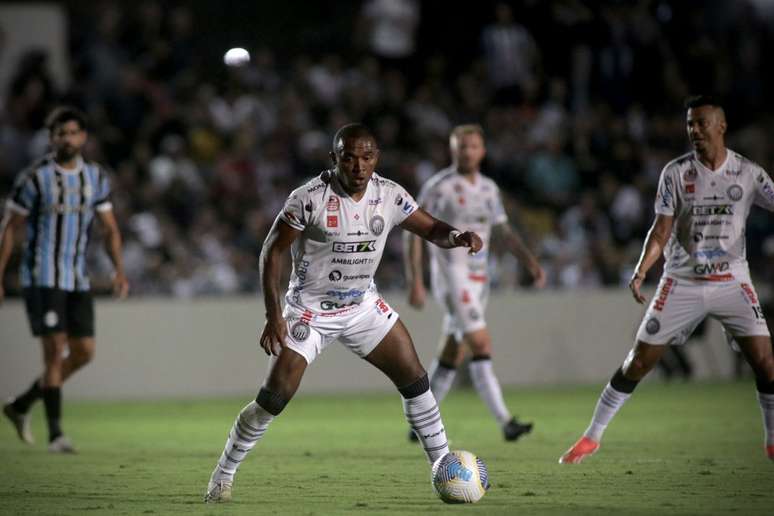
(768, 191)
(749, 293)
(710, 254)
(652, 326)
(735, 192)
(353, 261)
(357, 233)
(375, 202)
(335, 275)
(332, 221)
(300, 331)
(315, 188)
(376, 225)
(714, 197)
(333, 203)
(341, 295)
(366, 246)
(407, 208)
(663, 294)
(705, 269)
(381, 306)
(332, 305)
(712, 209)
(711, 222)
(666, 193)
(735, 172)
(398, 200)
(356, 277)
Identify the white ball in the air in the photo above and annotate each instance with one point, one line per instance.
(236, 57)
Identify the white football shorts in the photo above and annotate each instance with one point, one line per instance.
(464, 303)
(679, 305)
(360, 329)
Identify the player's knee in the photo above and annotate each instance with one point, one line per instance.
(271, 402)
(83, 356)
(764, 369)
(420, 386)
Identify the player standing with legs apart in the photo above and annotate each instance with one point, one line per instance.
(336, 227)
(702, 204)
(56, 200)
(466, 198)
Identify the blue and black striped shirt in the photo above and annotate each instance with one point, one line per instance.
(60, 206)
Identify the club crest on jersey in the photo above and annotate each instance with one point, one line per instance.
(376, 225)
(735, 192)
(300, 331)
(652, 326)
(333, 203)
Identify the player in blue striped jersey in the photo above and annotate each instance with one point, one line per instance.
(55, 201)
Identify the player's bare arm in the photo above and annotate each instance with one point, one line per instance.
(277, 243)
(440, 233)
(519, 249)
(113, 245)
(12, 221)
(657, 238)
(412, 250)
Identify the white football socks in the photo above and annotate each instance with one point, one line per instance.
(441, 380)
(424, 418)
(249, 427)
(488, 388)
(767, 411)
(610, 401)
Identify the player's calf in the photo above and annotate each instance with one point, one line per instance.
(424, 417)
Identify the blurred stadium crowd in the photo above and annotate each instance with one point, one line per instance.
(581, 102)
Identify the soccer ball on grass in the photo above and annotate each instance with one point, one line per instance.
(460, 477)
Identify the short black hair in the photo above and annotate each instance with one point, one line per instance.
(352, 131)
(63, 114)
(695, 101)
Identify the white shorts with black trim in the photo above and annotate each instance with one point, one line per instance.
(360, 329)
(679, 305)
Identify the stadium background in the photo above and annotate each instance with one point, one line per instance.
(582, 105)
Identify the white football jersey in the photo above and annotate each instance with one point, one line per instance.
(467, 206)
(710, 211)
(342, 241)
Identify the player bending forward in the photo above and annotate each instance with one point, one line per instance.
(462, 195)
(336, 227)
(702, 204)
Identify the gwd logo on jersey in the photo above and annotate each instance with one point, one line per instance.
(710, 268)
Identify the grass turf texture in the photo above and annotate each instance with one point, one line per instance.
(676, 449)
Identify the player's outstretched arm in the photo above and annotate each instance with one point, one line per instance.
(518, 248)
(12, 221)
(657, 238)
(412, 257)
(113, 245)
(277, 242)
(440, 233)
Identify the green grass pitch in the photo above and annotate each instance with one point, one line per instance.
(673, 449)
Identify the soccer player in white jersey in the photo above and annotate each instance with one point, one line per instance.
(336, 227)
(702, 204)
(466, 198)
